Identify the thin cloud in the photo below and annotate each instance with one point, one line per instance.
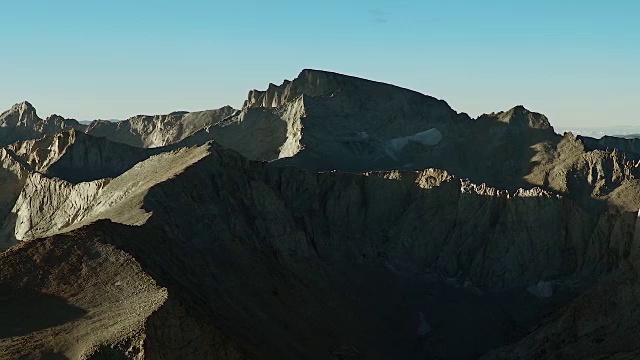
(379, 16)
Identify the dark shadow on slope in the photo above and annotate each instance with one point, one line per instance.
(10, 188)
(23, 311)
(53, 356)
(311, 311)
(7, 231)
(291, 264)
(440, 320)
(105, 352)
(602, 323)
(483, 151)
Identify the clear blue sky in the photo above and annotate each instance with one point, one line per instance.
(576, 61)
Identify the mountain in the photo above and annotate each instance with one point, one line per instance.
(331, 217)
(325, 121)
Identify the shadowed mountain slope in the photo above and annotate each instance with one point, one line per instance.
(298, 264)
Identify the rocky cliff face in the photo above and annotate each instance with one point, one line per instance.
(439, 237)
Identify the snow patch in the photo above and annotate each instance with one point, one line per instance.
(430, 137)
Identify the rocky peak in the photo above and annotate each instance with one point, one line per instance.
(309, 82)
(520, 118)
(55, 118)
(20, 113)
(24, 106)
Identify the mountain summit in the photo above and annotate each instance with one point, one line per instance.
(20, 114)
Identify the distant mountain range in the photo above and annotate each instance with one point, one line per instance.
(331, 217)
(598, 132)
